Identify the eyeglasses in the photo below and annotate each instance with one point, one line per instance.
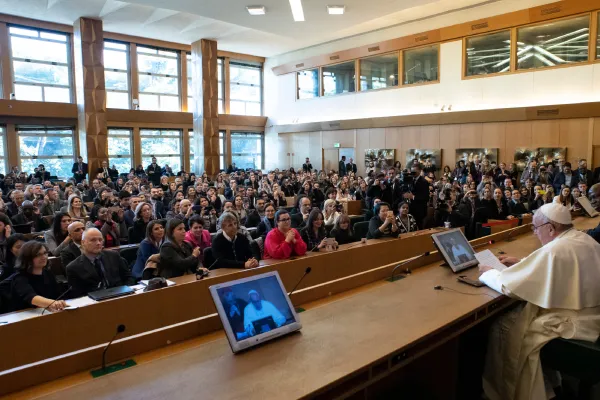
(285, 219)
(535, 228)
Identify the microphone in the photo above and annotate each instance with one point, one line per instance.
(483, 244)
(58, 298)
(306, 272)
(391, 279)
(510, 234)
(201, 275)
(120, 329)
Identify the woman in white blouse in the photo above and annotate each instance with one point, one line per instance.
(329, 212)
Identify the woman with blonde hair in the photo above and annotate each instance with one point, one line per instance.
(330, 214)
(75, 207)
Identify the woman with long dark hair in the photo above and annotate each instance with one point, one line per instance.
(314, 234)
(155, 235)
(13, 246)
(176, 255)
(34, 285)
(57, 238)
(143, 215)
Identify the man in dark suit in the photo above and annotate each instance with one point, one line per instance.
(342, 167)
(42, 175)
(566, 177)
(307, 166)
(419, 195)
(351, 167)
(584, 174)
(159, 211)
(73, 249)
(154, 172)
(79, 170)
(105, 171)
(96, 269)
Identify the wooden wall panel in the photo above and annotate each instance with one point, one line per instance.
(345, 138)
(596, 140)
(470, 135)
(377, 138)
(545, 133)
(430, 137)
(362, 143)
(518, 134)
(493, 135)
(449, 142)
(574, 136)
(411, 137)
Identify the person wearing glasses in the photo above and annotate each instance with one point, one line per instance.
(283, 241)
(560, 292)
(230, 247)
(73, 249)
(33, 285)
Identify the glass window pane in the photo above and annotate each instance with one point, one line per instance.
(192, 105)
(115, 59)
(553, 43)
(54, 36)
(149, 102)
(117, 100)
(598, 39)
(221, 107)
(248, 93)
(379, 72)
(237, 107)
(157, 65)
(46, 145)
(169, 103)
(123, 165)
(23, 31)
(41, 50)
(29, 72)
(339, 78)
(488, 54)
(191, 139)
(58, 95)
(158, 84)
(172, 161)
(421, 65)
(244, 74)
(249, 161)
(60, 167)
(119, 146)
(116, 80)
(253, 109)
(27, 92)
(160, 145)
(308, 84)
(146, 50)
(116, 46)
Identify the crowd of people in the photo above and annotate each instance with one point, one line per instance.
(239, 217)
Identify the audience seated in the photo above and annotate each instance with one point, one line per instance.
(267, 222)
(13, 246)
(109, 228)
(73, 249)
(515, 207)
(57, 238)
(30, 215)
(96, 268)
(5, 232)
(313, 234)
(330, 212)
(406, 222)
(155, 235)
(302, 210)
(283, 241)
(342, 231)
(383, 224)
(197, 236)
(230, 248)
(34, 285)
(143, 215)
(178, 257)
(75, 207)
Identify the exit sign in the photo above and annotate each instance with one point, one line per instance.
(336, 145)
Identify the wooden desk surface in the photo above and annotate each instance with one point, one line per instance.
(338, 338)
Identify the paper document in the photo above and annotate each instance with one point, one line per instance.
(486, 257)
(80, 302)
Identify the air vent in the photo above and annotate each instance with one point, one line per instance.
(479, 26)
(551, 10)
(421, 38)
(376, 48)
(334, 58)
(334, 125)
(545, 113)
(300, 65)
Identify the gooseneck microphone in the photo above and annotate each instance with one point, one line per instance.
(391, 279)
(306, 272)
(510, 234)
(120, 329)
(58, 298)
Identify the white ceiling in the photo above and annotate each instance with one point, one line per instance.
(229, 23)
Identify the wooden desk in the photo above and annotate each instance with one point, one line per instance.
(331, 274)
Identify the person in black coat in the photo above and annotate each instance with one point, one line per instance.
(230, 248)
(419, 195)
(342, 231)
(13, 245)
(143, 215)
(79, 170)
(307, 166)
(267, 222)
(154, 172)
(72, 251)
(515, 207)
(42, 175)
(342, 167)
(351, 167)
(95, 268)
(177, 257)
(105, 171)
(383, 224)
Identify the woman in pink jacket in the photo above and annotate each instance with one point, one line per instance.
(197, 236)
(284, 241)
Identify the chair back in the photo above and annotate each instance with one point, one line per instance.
(208, 256)
(361, 229)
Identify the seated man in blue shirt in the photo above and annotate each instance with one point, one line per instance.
(383, 224)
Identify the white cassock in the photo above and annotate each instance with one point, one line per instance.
(561, 284)
(251, 314)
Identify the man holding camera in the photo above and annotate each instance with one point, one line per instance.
(418, 195)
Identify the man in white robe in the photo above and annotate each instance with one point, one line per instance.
(259, 309)
(560, 285)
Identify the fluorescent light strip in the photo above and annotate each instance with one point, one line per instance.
(297, 10)
(336, 10)
(256, 10)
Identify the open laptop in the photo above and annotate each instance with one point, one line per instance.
(254, 310)
(587, 206)
(458, 253)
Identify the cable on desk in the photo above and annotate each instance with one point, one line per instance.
(458, 291)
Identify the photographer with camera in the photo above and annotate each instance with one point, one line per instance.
(418, 195)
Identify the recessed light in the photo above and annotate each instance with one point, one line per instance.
(297, 10)
(336, 10)
(256, 10)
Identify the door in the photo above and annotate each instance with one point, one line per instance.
(330, 159)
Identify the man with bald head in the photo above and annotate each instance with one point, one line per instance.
(560, 288)
(73, 249)
(96, 269)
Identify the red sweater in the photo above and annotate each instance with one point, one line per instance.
(277, 248)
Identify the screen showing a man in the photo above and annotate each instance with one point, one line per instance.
(456, 247)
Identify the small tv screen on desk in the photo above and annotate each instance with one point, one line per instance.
(254, 310)
(455, 249)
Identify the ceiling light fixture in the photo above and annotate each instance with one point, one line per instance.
(256, 10)
(336, 10)
(297, 10)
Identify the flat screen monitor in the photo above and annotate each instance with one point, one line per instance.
(587, 206)
(456, 249)
(254, 310)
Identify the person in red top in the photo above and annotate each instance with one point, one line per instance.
(109, 229)
(284, 241)
(197, 236)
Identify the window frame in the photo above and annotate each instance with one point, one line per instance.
(439, 65)
(179, 76)
(322, 79)
(400, 65)
(130, 137)
(45, 128)
(319, 95)
(252, 65)
(68, 64)
(162, 135)
(232, 134)
(4, 155)
(127, 72)
(465, 60)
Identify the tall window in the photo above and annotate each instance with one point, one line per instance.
(116, 74)
(553, 43)
(2, 150)
(488, 54)
(119, 149)
(158, 79)
(164, 144)
(379, 72)
(221, 94)
(220, 85)
(246, 89)
(41, 64)
(191, 103)
(221, 148)
(308, 84)
(339, 78)
(247, 150)
(598, 39)
(421, 65)
(51, 146)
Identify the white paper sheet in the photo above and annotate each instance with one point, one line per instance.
(486, 257)
(80, 302)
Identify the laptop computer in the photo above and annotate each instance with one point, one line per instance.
(587, 206)
(458, 253)
(254, 310)
(111, 293)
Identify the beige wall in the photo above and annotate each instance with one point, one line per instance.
(577, 135)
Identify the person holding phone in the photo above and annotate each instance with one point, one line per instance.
(383, 224)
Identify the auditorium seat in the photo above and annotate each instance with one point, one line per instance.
(361, 229)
